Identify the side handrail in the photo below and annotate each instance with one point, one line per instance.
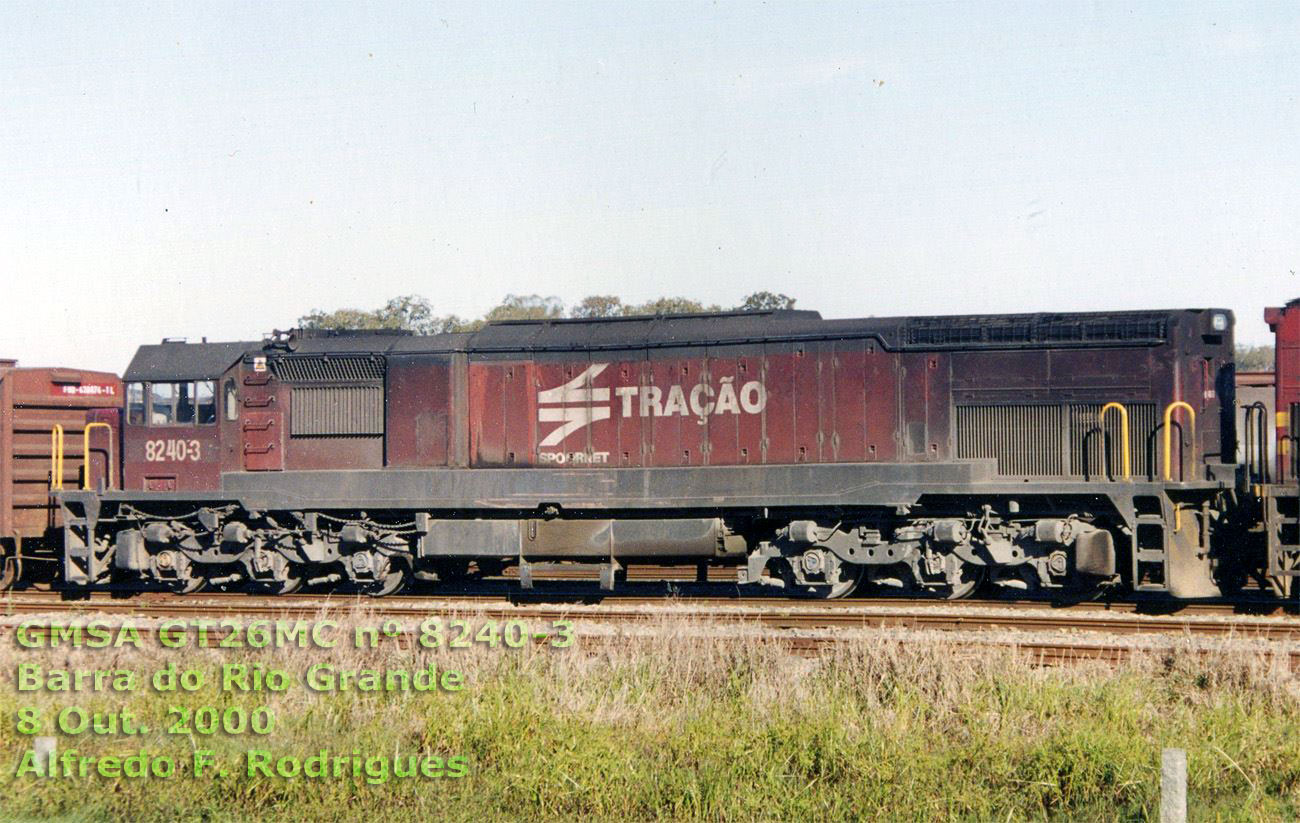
(1123, 433)
(1256, 446)
(85, 454)
(1287, 455)
(56, 458)
(1249, 448)
(1287, 451)
(1169, 418)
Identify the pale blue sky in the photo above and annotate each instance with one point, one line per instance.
(218, 169)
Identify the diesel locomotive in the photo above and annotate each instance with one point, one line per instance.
(1024, 453)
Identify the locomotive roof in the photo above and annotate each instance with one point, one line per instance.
(172, 361)
(1004, 331)
(184, 361)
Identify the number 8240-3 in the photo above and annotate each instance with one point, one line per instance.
(160, 451)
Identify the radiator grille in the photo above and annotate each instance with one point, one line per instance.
(332, 369)
(1094, 453)
(337, 410)
(1025, 440)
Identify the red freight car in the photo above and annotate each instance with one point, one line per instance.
(58, 430)
(1284, 322)
(1278, 493)
(921, 453)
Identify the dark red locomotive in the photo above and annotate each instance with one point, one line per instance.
(915, 454)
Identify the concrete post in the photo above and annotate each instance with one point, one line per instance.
(44, 749)
(1173, 786)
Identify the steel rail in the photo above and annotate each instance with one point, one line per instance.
(782, 615)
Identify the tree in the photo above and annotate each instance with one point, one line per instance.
(670, 305)
(414, 313)
(766, 301)
(1254, 358)
(409, 312)
(599, 305)
(526, 307)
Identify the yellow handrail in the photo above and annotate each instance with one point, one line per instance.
(1169, 417)
(56, 458)
(85, 454)
(1123, 433)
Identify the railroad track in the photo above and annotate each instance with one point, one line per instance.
(660, 585)
(1106, 634)
(1205, 620)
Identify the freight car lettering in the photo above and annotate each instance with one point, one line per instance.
(161, 451)
(701, 401)
(578, 458)
(90, 390)
(581, 397)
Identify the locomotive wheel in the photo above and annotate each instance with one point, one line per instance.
(174, 571)
(189, 579)
(11, 567)
(851, 574)
(289, 585)
(902, 582)
(971, 578)
(190, 585)
(392, 582)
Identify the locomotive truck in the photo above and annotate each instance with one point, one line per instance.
(1027, 453)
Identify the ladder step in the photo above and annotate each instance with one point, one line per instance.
(604, 571)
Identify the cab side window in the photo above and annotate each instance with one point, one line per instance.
(162, 404)
(135, 404)
(173, 404)
(232, 400)
(205, 398)
(185, 403)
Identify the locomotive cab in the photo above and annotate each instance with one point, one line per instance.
(172, 433)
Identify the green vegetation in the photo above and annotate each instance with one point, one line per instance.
(687, 722)
(1254, 358)
(415, 313)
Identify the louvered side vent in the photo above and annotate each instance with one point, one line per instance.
(337, 410)
(1025, 440)
(1097, 454)
(348, 368)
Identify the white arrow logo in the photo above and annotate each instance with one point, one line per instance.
(580, 392)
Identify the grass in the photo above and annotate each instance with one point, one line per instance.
(686, 724)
